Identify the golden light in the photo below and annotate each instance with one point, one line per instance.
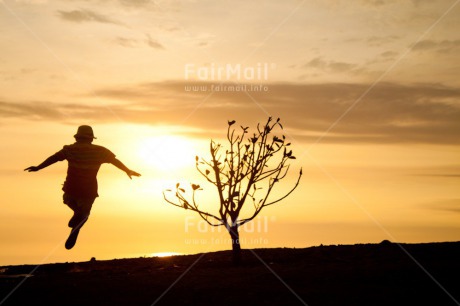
(167, 153)
(165, 254)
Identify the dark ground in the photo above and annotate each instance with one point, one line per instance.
(364, 274)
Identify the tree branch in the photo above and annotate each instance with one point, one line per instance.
(185, 205)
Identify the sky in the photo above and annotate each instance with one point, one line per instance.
(367, 91)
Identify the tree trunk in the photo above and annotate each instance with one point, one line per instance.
(236, 247)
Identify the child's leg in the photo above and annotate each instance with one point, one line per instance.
(73, 204)
(82, 208)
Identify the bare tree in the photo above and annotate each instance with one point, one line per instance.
(247, 170)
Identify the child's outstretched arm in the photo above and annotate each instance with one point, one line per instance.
(48, 162)
(121, 166)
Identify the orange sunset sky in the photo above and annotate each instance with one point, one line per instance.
(367, 90)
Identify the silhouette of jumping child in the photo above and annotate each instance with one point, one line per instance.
(80, 187)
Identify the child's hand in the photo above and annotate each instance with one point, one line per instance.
(32, 169)
(131, 173)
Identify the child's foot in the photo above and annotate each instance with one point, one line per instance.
(72, 238)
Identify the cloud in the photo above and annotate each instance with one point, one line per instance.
(135, 3)
(126, 42)
(378, 41)
(448, 205)
(329, 66)
(440, 172)
(443, 46)
(152, 43)
(31, 1)
(383, 57)
(202, 39)
(35, 110)
(388, 54)
(390, 113)
(377, 3)
(441, 175)
(136, 43)
(84, 15)
(421, 2)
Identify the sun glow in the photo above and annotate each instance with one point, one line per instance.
(165, 254)
(167, 152)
